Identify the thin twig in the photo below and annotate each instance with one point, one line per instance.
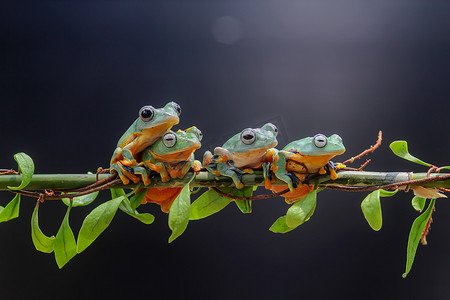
(365, 152)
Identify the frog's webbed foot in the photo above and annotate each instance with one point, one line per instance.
(125, 173)
(268, 176)
(331, 167)
(144, 172)
(207, 157)
(294, 179)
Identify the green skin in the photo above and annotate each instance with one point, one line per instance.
(241, 156)
(314, 157)
(174, 161)
(140, 135)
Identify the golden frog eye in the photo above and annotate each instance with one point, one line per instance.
(169, 140)
(146, 113)
(320, 140)
(248, 136)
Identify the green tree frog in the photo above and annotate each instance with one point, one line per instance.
(242, 153)
(300, 158)
(151, 124)
(172, 156)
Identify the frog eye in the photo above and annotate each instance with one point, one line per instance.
(177, 108)
(248, 136)
(320, 140)
(338, 138)
(169, 140)
(146, 113)
(199, 134)
(275, 129)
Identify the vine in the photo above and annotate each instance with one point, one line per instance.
(221, 192)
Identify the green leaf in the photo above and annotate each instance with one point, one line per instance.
(384, 193)
(41, 242)
(400, 148)
(81, 200)
(145, 218)
(125, 206)
(207, 204)
(96, 222)
(64, 245)
(26, 167)
(179, 213)
(371, 208)
(280, 226)
(11, 211)
(418, 203)
(245, 206)
(137, 198)
(301, 210)
(414, 236)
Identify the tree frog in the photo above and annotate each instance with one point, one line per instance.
(242, 153)
(172, 156)
(300, 158)
(145, 130)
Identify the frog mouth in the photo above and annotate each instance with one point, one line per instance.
(177, 156)
(151, 134)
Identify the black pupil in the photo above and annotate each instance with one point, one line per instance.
(179, 110)
(146, 113)
(248, 136)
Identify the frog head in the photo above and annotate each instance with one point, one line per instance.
(318, 145)
(152, 120)
(247, 148)
(176, 146)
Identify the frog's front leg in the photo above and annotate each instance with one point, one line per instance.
(269, 158)
(128, 158)
(160, 168)
(142, 170)
(227, 169)
(281, 172)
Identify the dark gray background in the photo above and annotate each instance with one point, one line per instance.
(74, 75)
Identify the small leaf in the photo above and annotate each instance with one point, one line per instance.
(429, 193)
(137, 198)
(41, 242)
(414, 236)
(207, 204)
(384, 193)
(400, 148)
(245, 206)
(371, 208)
(11, 211)
(81, 200)
(179, 213)
(64, 245)
(301, 210)
(26, 167)
(145, 218)
(418, 203)
(280, 226)
(125, 206)
(96, 222)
